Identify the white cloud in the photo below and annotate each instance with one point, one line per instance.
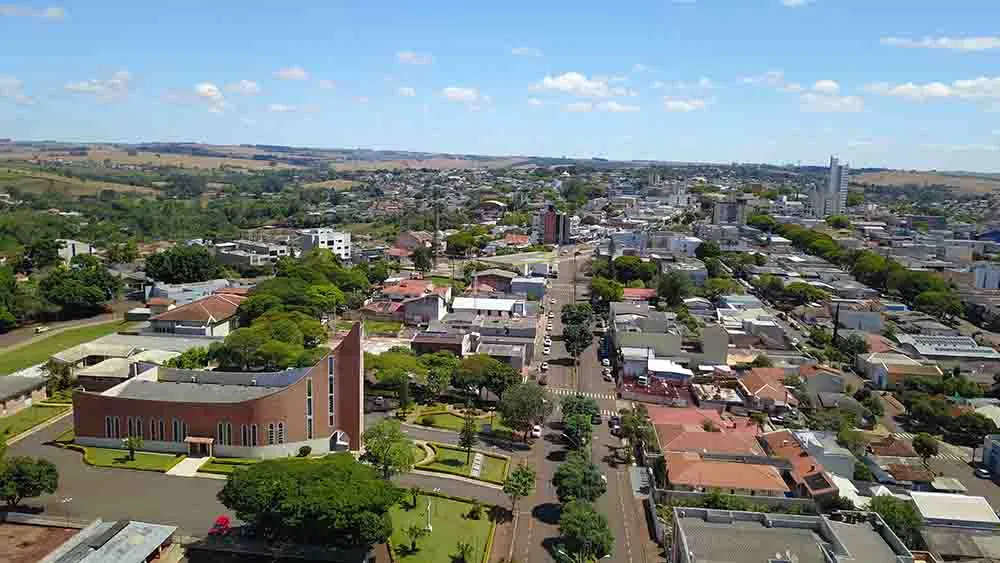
(13, 89)
(284, 108)
(795, 3)
(826, 87)
(579, 85)
(678, 105)
(105, 90)
(406, 92)
(459, 94)
(963, 148)
(859, 143)
(208, 91)
(769, 78)
(615, 107)
(535, 102)
(950, 43)
(579, 107)
(411, 58)
(825, 103)
(244, 87)
(292, 73)
(982, 88)
(52, 13)
(996, 131)
(793, 87)
(526, 52)
(639, 67)
(327, 84)
(361, 99)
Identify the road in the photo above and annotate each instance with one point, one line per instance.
(23, 336)
(538, 519)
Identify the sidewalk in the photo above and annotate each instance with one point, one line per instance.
(188, 467)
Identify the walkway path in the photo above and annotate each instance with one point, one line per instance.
(188, 467)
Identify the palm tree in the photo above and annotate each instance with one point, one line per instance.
(132, 443)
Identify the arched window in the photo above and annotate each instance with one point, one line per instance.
(281, 432)
(244, 435)
(130, 426)
(138, 427)
(253, 435)
(162, 428)
(152, 430)
(270, 434)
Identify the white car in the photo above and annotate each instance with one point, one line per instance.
(552, 301)
(548, 341)
(545, 366)
(546, 350)
(606, 363)
(549, 328)
(536, 431)
(552, 314)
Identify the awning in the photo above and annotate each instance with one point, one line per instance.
(199, 440)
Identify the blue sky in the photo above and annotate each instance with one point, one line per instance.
(898, 83)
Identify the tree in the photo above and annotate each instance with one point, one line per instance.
(440, 368)
(415, 532)
(331, 500)
(714, 288)
(123, 253)
(468, 436)
(182, 264)
(605, 290)
(405, 400)
(132, 443)
(473, 372)
(714, 268)
(853, 345)
(578, 429)
(81, 289)
(763, 222)
(800, 293)
(585, 531)
(940, 304)
(577, 314)
(926, 446)
(519, 484)
(673, 289)
(59, 376)
(523, 406)
(26, 477)
(853, 440)
(41, 253)
(761, 361)
(901, 516)
(579, 404)
(577, 339)
(759, 419)
(388, 449)
(500, 377)
(578, 478)
(862, 472)
(421, 259)
(855, 198)
(192, 358)
(708, 249)
(838, 221)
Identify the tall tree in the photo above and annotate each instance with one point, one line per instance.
(26, 477)
(578, 478)
(673, 289)
(926, 446)
(519, 484)
(182, 264)
(523, 406)
(708, 249)
(329, 501)
(422, 259)
(902, 517)
(577, 314)
(577, 339)
(585, 531)
(579, 404)
(468, 436)
(388, 449)
(578, 429)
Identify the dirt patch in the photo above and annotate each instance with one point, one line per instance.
(339, 185)
(966, 184)
(20, 543)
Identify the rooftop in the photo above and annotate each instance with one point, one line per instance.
(483, 304)
(690, 469)
(953, 507)
(951, 346)
(125, 541)
(211, 308)
(192, 392)
(14, 386)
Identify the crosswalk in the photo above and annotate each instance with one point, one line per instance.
(565, 391)
(604, 412)
(945, 451)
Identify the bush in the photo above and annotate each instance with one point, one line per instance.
(476, 512)
(427, 420)
(304, 451)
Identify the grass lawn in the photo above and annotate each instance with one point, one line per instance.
(418, 454)
(454, 422)
(225, 466)
(38, 352)
(450, 527)
(28, 418)
(106, 457)
(374, 327)
(452, 460)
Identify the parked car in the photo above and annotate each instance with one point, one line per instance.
(547, 341)
(616, 430)
(552, 314)
(548, 327)
(547, 350)
(608, 377)
(379, 401)
(41, 329)
(536, 431)
(596, 418)
(552, 301)
(983, 473)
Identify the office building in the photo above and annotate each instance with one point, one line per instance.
(337, 242)
(831, 199)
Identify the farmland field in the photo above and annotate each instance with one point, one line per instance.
(42, 182)
(966, 184)
(164, 159)
(339, 185)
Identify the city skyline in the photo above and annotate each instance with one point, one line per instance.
(775, 81)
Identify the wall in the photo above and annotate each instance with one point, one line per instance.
(807, 506)
(15, 404)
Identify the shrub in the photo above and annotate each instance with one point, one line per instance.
(476, 512)
(304, 451)
(427, 420)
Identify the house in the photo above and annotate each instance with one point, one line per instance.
(69, 249)
(412, 240)
(514, 240)
(18, 393)
(763, 389)
(702, 535)
(424, 309)
(412, 288)
(807, 473)
(531, 288)
(233, 414)
(684, 438)
(213, 315)
(951, 510)
(335, 241)
(383, 310)
(887, 370)
(692, 471)
(638, 294)
(489, 307)
(428, 342)
(498, 279)
(823, 446)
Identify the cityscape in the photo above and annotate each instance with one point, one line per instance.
(268, 318)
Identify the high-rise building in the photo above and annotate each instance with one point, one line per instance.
(832, 198)
(730, 212)
(552, 226)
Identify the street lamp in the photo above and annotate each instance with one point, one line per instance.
(65, 502)
(429, 527)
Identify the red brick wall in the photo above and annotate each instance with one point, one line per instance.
(286, 405)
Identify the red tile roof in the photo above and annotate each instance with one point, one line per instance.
(680, 438)
(159, 301)
(638, 294)
(806, 470)
(234, 290)
(765, 383)
(689, 469)
(409, 288)
(693, 418)
(212, 308)
(399, 252)
(517, 240)
(892, 446)
(382, 307)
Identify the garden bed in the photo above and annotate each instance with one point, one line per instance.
(226, 465)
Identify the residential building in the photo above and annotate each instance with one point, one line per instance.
(510, 354)
(693, 471)
(428, 342)
(683, 438)
(705, 535)
(638, 295)
(730, 212)
(762, 388)
(806, 472)
(551, 226)
(489, 307)
(70, 248)
(249, 252)
(946, 509)
(887, 370)
(213, 315)
(991, 454)
(336, 241)
(831, 199)
(499, 280)
(823, 446)
(233, 414)
(531, 288)
(412, 240)
(20, 392)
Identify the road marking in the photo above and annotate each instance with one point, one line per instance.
(947, 451)
(566, 391)
(621, 504)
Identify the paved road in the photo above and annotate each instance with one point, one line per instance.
(24, 336)
(964, 473)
